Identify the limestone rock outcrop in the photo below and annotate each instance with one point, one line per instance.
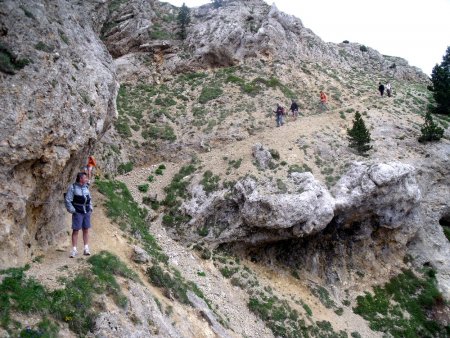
(258, 212)
(144, 318)
(389, 191)
(261, 211)
(52, 111)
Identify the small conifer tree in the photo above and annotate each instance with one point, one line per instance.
(183, 18)
(359, 135)
(430, 130)
(440, 78)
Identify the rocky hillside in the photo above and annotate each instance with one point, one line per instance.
(210, 221)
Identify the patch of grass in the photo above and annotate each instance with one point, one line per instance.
(124, 211)
(73, 304)
(165, 101)
(295, 168)
(176, 191)
(173, 284)
(227, 272)
(165, 132)
(105, 266)
(151, 178)
(402, 307)
(209, 93)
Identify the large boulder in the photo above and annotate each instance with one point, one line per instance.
(257, 212)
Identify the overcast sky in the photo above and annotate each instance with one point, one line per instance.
(416, 30)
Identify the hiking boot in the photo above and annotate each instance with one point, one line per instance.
(73, 253)
(86, 252)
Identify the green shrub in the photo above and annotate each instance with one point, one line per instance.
(124, 168)
(44, 47)
(363, 48)
(210, 182)
(9, 64)
(203, 231)
(446, 231)
(275, 154)
(143, 187)
(122, 209)
(123, 127)
(430, 130)
(154, 132)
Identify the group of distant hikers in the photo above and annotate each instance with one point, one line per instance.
(280, 111)
(78, 202)
(387, 87)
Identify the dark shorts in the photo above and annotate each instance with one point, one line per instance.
(81, 221)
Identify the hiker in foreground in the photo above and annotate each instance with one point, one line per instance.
(79, 203)
(279, 115)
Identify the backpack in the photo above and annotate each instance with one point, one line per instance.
(64, 195)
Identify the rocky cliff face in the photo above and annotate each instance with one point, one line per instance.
(53, 109)
(229, 35)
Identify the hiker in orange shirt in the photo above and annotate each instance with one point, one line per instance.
(323, 101)
(90, 166)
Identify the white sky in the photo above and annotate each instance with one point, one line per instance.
(416, 30)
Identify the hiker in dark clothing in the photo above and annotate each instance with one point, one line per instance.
(294, 109)
(381, 89)
(279, 115)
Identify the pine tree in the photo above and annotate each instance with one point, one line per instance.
(430, 130)
(184, 18)
(440, 77)
(359, 135)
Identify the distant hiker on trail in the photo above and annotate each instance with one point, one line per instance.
(79, 203)
(388, 89)
(381, 88)
(294, 109)
(90, 166)
(323, 101)
(279, 115)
